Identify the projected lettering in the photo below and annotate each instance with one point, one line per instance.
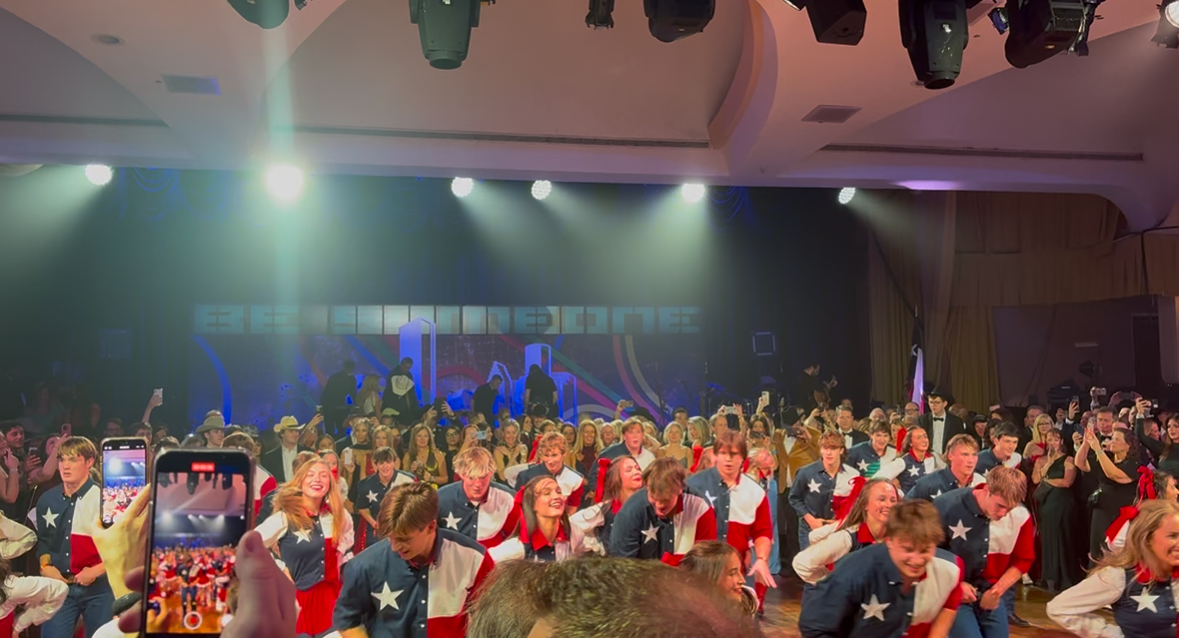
(255, 319)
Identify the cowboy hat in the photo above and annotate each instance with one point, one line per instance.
(214, 422)
(287, 423)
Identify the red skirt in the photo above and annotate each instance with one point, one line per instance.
(315, 607)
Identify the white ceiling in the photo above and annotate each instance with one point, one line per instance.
(342, 86)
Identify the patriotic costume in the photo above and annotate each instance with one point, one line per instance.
(934, 485)
(864, 597)
(534, 547)
(1143, 604)
(907, 470)
(987, 549)
(15, 539)
(987, 460)
(828, 545)
(40, 597)
(867, 462)
(314, 560)
(815, 491)
(615, 450)
(264, 484)
(392, 598)
(639, 533)
(571, 481)
(590, 528)
(64, 527)
(488, 523)
(369, 494)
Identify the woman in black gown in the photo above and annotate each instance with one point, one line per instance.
(1053, 474)
(1117, 478)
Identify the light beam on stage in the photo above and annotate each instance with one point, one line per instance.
(693, 193)
(541, 189)
(462, 186)
(99, 174)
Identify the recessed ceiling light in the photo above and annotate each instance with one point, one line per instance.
(107, 39)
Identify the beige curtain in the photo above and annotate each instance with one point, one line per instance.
(890, 319)
(974, 372)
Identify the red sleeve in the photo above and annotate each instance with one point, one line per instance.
(706, 526)
(511, 522)
(1024, 553)
(955, 597)
(763, 524)
(575, 497)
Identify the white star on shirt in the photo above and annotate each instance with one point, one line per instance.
(303, 536)
(50, 518)
(814, 486)
(874, 608)
(651, 533)
(863, 465)
(959, 530)
(914, 471)
(452, 521)
(388, 598)
(710, 497)
(1145, 600)
(372, 496)
(939, 493)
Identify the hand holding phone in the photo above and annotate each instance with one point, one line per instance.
(124, 475)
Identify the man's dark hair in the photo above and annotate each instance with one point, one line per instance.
(116, 420)
(8, 426)
(406, 361)
(348, 366)
(497, 378)
(1003, 429)
(679, 409)
(1105, 409)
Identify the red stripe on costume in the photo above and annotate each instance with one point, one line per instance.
(603, 469)
(954, 600)
(447, 627)
(1127, 514)
(1020, 558)
(83, 553)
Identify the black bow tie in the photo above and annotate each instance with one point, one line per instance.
(939, 418)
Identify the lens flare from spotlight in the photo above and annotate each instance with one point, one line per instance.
(285, 182)
(541, 189)
(1171, 13)
(99, 174)
(462, 186)
(693, 193)
(846, 194)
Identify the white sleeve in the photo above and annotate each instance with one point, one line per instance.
(1073, 608)
(890, 470)
(507, 550)
(17, 539)
(816, 535)
(346, 541)
(272, 529)
(811, 563)
(41, 598)
(582, 539)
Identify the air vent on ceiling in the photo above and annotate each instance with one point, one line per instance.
(825, 114)
(192, 84)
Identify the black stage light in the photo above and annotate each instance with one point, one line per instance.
(445, 28)
(934, 32)
(600, 14)
(267, 14)
(1042, 28)
(670, 20)
(1168, 31)
(837, 21)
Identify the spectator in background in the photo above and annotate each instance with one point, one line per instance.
(1053, 475)
(940, 424)
(511, 453)
(486, 397)
(540, 390)
(280, 461)
(368, 399)
(112, 428)
(42, 414)
(211, 433)
(400, 394)
(1117, 476)
(845, 420)
(334, 402)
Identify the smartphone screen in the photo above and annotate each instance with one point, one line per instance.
(200, 510)
(124, 475)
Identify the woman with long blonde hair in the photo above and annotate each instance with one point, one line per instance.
(511, 453)
(1039, 443)
(369, 396)
(423, 459)
(312, 534)
(1136, 582)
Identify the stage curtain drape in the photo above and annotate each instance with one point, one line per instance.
(894, 293)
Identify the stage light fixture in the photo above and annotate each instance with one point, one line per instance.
(670, 20)
(99, 174)
(846, 194)
(837, 21)
(267, 14)
(1042, 28)
(462, 186)
(934, 33)
(1167, 34)
(445, 29)
(541, 189)
(285, 182)
(693, 193)
(601, 14)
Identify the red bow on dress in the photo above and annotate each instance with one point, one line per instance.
(1125, 515)
(901, 433)
(843, 504)
(1146, 484)
(603, 468)
(697, 453)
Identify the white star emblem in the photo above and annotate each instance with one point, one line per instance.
(959, 530)
(651, 533)
(874, 608)
(388, 598)
(50, 518)
(814, 486)
(452, 521)
(1144, 601)
(939, 493)
(303, 536)
(372, 496)
(914, 471)
(863, 465)
(710, 497)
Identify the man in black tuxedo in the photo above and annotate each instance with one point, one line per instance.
(846, 420)
(939, 424)
(280, 461)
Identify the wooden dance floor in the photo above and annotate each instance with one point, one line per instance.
(781, 619)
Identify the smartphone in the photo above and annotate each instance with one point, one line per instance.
(201, 507)
(66, 430)
(348, 458)
(765, 396)
(124, 475)
(158, 392)
(480, 435)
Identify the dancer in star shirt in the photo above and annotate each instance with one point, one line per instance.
(373, 488)
(962, 456)
(904, 586)
(550, 451)
(418, 581)
(544, 525)
(864, 526)
(590, 528)
(1004, 440)
(817, 486)
(868, 457)
(994, 536)
(475, 506)
(1137, 582)
(312, 533)
(661, 521)
(915, 460)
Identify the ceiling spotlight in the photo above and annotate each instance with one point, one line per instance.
(1167, 34)
(670, 20)
(285, 182)
(692, 193)
(267, 14)
(934, 33)
(541, 189)
(462, 186)
(445, 29)
(600, 14)
(838, 21)
(1042, 28)
(99, 174)
(846, 194)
